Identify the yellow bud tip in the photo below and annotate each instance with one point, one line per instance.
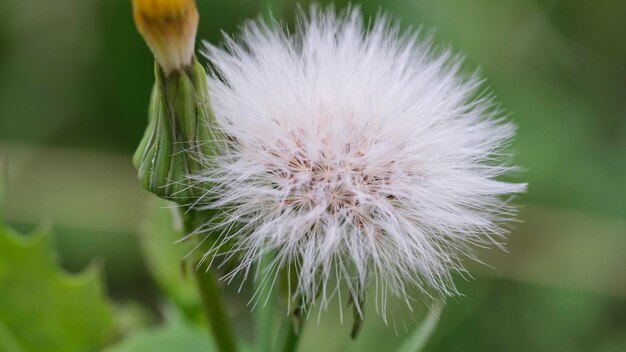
(169, 28)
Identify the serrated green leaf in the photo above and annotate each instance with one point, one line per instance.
(43, 309)
(176, 335)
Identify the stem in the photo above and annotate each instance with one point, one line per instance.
(215, 309)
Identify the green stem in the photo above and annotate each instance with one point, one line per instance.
(215, 309)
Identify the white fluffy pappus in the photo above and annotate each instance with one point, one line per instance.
(357, 155)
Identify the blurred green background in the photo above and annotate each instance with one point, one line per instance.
(75, 79)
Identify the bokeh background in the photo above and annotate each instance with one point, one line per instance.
(75, 79)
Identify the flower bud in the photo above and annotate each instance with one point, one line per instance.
(169, 28)
(179, 136)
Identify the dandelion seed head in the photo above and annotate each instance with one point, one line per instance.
(358, 154)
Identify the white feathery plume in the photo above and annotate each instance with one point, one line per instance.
(355, 154)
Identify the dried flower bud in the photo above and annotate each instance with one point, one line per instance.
(169, 28)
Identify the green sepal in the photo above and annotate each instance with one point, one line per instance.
(206, 133)
(152, 156)
(179, 136)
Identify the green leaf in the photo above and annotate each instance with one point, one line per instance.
(165, 257)
(43, 309)
(175, 335)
